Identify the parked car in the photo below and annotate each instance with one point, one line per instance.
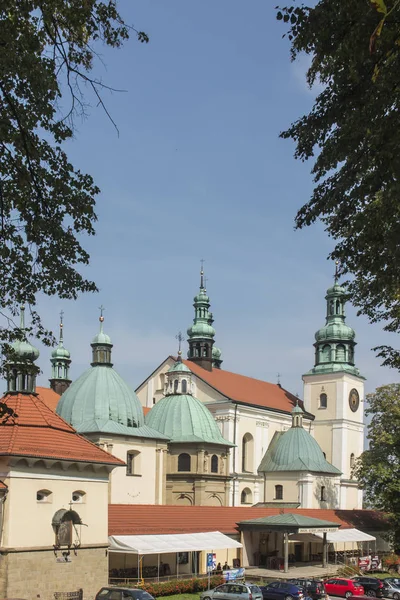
(281, 590)
(373, 587)
(392, 589)
(122, 593)
(313, 588)
(232, 591)
(343, 587)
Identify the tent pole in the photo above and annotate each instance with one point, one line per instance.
(286, 551)
(324, 550)
(138, 567)
(177, 565)
(158, 568)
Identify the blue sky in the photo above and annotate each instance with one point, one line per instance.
(198, 171)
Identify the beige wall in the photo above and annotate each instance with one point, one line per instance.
(27, 522)
(37, 575)
(304, 488)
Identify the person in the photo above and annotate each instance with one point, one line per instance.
(226, 567)
(219, 568)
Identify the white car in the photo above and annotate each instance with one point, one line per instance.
(233, 591)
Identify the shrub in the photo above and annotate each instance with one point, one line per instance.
(182, 586)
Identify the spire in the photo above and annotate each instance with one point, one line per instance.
(101, 345)
(179, 377)
(335, 342)
(201, 333)
(60, 362)
(21, 370)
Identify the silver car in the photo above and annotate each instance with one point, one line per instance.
(392, 588)
(233, 591)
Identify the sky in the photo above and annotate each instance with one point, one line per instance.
(198, 171)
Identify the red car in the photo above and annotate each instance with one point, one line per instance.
(343, 587)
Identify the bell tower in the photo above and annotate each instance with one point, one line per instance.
(201, 333)
(334, 393)
(60, 363)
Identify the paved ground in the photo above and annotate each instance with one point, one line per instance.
(300, 571)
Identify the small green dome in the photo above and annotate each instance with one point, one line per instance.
(179, 367)
(296, 450)
(24, 350)
(183, 418)
(102, 338)
(201, 329)
(60, 352)
(297, 410)
(216, 353)
(335, 331)
(98, 394)
(336, 290)
(201, 297)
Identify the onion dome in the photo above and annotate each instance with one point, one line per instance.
(216, 357)
(60, 363)
(296, 450)
(335, 341)
(21, 370)
(22, 349)
(201, 333)
(100, 400)
(179, 415)
(60, 352)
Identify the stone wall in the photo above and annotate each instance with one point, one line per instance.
(36, 575)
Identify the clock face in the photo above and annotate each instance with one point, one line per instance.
(354, 400)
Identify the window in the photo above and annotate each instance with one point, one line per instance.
(78, 497)
(326, 353)
(133, 462)
(247, 453)
(352, 460)
(44, 496)
(214, 463)
(246, 496)
(154, 401)
(176, 382)
(184, 386)
(279, 492)
(340, 353)
(184, 462)
(323, 494)
(323, 401)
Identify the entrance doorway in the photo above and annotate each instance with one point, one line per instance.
(298, 552)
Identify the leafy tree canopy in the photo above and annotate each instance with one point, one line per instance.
(351, 134)
(378, 467)
(47, 53)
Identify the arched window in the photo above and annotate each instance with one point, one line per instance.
(247, 453)
(197, 350)
(246, 496)
(205, 350)
(326, 353)
(214, 463)
(78, 497)
(323, 401)
(352, 460)
(184, 462)
(133, 462)
(324, 453)
(338, 307)
(340, 353)
(176, 383)
(279, 492)
(184, 386)
(44, 496)
(323, 493)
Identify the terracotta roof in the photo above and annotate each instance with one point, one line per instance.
(146, 409)
(246, 390)
(3, 486)
(49, 397)
(37, 431)
(142, 519)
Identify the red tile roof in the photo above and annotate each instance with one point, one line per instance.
(146, 409)
(38, 431)
(49, 397)
(3, 486)
(247, 390)
(142, 519)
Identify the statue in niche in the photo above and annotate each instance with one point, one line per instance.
(205, 463)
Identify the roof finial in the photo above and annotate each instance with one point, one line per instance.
(61, 327)
(101, 318)
(22, 317)
(180, 338)
(278, 375)
(202, 274)
(336, 271)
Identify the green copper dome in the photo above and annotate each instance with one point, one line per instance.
(337, 331)
(183, 418)
(22, 349)
(100, 394)
(201, 330)
(179, 367)
(216, 353)
(295, 450)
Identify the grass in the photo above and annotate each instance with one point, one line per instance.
(181, 597)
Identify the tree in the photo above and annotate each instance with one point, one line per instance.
(351, 133)
(378, 468)
(48, 51)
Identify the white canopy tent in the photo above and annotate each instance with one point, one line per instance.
(347, 535)
(163, 544)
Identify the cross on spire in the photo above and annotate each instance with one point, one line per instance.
(336, 271)
(202, 274)
(278, 375)
(61, 325)
(180, 339)
(101, 309)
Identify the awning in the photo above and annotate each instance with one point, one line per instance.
(164, 544)
(347, 535)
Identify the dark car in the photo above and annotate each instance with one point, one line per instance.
(122, 593)
(373, 587)
(313, 588)
(281, 590)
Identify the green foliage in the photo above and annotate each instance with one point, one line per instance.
(46, 204)
(377, 469)
(182, 586)
(351, 134)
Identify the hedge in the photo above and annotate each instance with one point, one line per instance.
(182, 586)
